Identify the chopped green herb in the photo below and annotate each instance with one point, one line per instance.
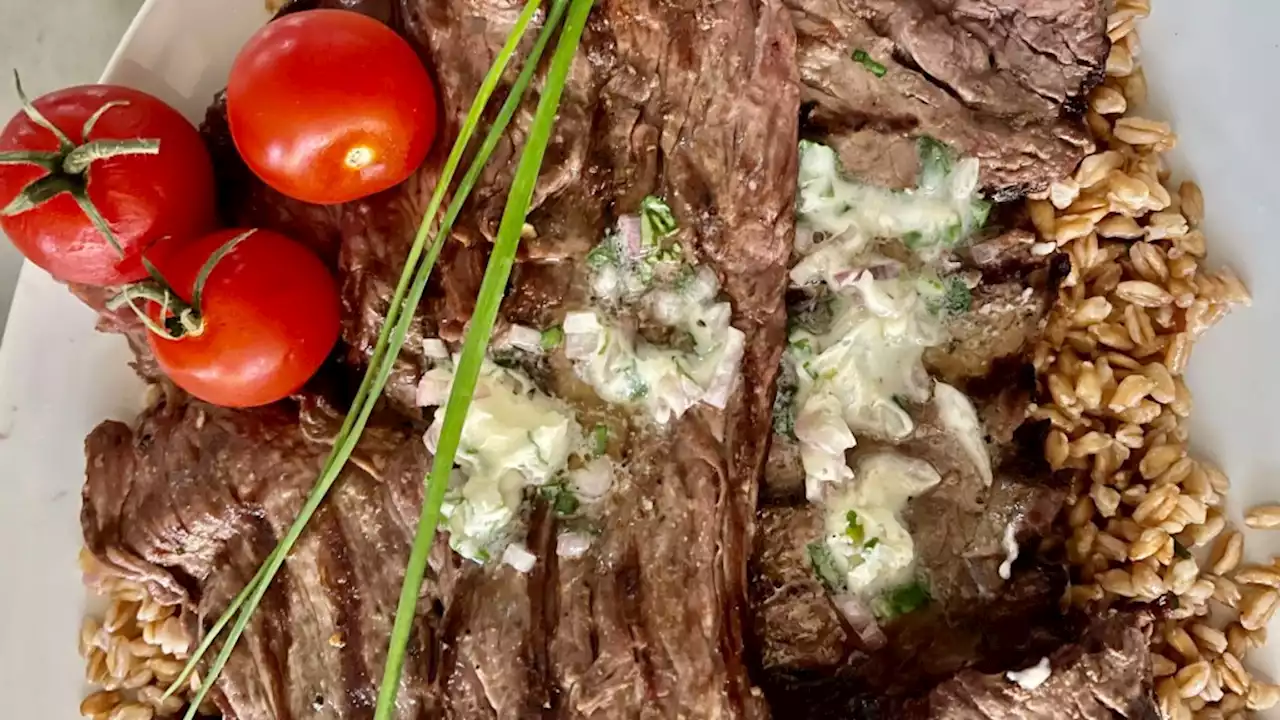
(854, 530)
(562, 500)
(600, 439)
(784, 402)
(959, 299)
(670, 254)
(824, 566)
(637, 387)
(802, 346)
(913, 240)
(656, 220)
(644, 271)
(949, 297)
(902, 600)
(936, 159)
(981, 210)
(872, 543)
(953, 233)
(483, 555)
(684, 278)
(565, 503)
(552, 337)
(861, 57)
(604, 254)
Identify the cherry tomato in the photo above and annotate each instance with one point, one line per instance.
(268, 318)
(142, 197)
(328, 106)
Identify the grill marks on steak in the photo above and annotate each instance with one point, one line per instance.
(694, 90)
(998, 81)
(696, 101)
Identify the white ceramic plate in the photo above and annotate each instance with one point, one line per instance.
(59, 378)
(1211, 70)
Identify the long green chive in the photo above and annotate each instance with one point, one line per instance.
(399, 317)
(492, 289)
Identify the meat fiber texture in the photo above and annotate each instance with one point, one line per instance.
(697, 103)
(1000, 81)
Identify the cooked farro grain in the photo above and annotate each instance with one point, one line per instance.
(1233, 674)
(1262, 696)
(1266, 517)
(1257, 605)
(131, 654)
(1119, 61)
(1111, 362)
(1258, 575)
(99, 703)
(1226, 553)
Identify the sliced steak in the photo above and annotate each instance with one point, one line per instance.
(961, 530)
(697, 103)
(958, 530)
(1104, 675)
(997, 80)
(1002, 324)
(1100, 670)
(193, 500)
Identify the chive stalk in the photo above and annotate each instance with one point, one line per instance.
(492, 289)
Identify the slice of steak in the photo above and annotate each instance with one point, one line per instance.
(958, 530)
(194, 499)
(696, 103)
(984, 596)
(1100, 669)
(997, 81)
(1104, 675)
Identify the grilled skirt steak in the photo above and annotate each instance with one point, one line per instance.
(1100, 669)
(699, 102)
(193, 500)
(996, 80)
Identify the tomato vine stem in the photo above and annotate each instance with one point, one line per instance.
(187, 317)
(68, 167)
(77, 161)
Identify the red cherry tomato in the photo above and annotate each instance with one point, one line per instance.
(328, 106)
(269, 317)
(142, 197)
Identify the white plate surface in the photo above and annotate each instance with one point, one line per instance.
(1211, 69)
(59, 378)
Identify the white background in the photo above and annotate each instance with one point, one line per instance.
(1212, 68)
